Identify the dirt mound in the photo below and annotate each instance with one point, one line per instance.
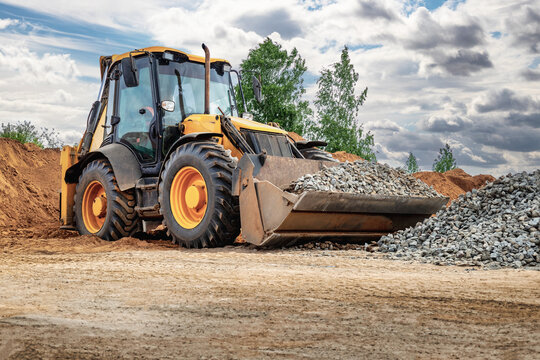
(345, 156)
(466, 181)
(454, 182)
(442, 184)
(295, 136)
(29, 184)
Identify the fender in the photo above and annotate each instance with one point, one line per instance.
(126, 167)
(198, 136)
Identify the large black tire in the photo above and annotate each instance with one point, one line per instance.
(221, 222)
(121, 218)
(314, 153)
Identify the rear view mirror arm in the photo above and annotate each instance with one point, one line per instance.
(239, 77)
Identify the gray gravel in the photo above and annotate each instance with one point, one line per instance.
(363, 177)
(496, 226)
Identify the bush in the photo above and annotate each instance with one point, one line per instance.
(412, 164)
(445, 161)
(26, 132)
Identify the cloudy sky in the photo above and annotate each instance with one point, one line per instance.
(464, 73)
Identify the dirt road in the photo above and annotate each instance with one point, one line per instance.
(80, 297)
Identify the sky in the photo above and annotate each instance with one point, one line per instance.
(466, 73)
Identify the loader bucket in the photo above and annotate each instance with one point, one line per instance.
(272, 217)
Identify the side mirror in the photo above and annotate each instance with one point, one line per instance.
(257, 88)
(167, 105)
(130, 72)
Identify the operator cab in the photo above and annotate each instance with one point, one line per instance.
(148, 95)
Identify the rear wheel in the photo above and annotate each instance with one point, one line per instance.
(100, 207)
(195, 196)
(314, 153)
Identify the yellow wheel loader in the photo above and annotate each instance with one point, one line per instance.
(165, 144)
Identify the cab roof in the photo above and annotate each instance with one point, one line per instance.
(154, 49)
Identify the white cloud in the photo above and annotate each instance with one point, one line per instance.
(120, 14)
(5, 23)
(51, 68)
(445, 123)
(382, 125)
(61, 97)
(44, 89)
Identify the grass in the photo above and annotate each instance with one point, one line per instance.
(26, 132)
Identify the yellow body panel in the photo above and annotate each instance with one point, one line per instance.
(202, 123)
(68, 157)
(227, 144)
(241, 123)
(212, 123)
(97, 139)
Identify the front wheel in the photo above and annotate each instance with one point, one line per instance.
(195, 196)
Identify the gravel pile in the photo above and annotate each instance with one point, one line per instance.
(363, 177)
(496, 226)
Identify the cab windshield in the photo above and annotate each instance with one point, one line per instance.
(183, 83)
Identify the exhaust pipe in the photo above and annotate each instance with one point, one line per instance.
(206, 79)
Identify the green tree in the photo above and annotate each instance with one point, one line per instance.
(338, 106)
(281, 74)
(445, 160)
(26, 132)
(412, 164)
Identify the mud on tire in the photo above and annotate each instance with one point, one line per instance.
(121, 219)
(221, 222)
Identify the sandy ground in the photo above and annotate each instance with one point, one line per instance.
(81, 297)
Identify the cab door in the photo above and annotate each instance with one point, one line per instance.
(136, 114)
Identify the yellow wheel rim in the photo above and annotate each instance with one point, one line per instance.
(188, 197)
(94, 206)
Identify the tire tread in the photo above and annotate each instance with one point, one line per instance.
(224, 226)
(123, 220)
